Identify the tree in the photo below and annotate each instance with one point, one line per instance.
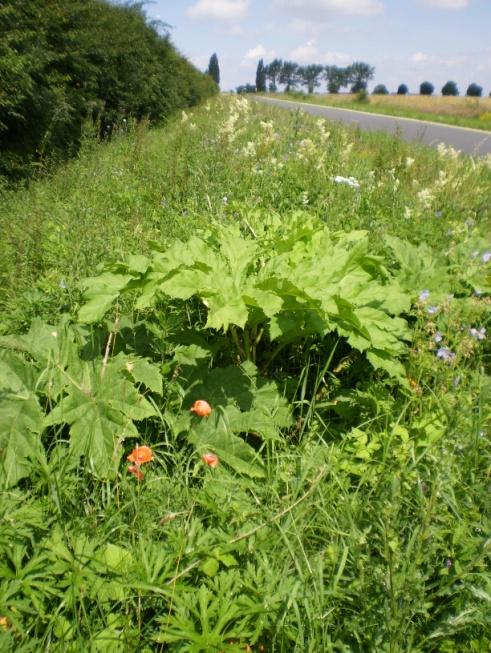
(450, 88)
(474, 90)
(214, 69)
(309, 76)
(288, 75)
(336, 78)
(273, 71)
(426, 88)
(402, 89)
(261, 77)
(245, 88)
(359, 74)
(380, 89)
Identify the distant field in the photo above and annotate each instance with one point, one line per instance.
(462, 111)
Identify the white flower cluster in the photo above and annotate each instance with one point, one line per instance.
(348, 181)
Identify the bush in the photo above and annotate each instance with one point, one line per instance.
(426, 88)
(359, 86)
(362, 96)
(402, 89)
(380, 89)
(474, 90)
(450, 88)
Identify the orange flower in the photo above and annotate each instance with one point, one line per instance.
(136, 471)
(141, 455)
(201, 408)
(210, 459)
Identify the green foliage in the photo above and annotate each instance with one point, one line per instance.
(70, 61)
(474, 90)
(309, 76)
(380, 89)
(450, 88)
(347, 513)
(292, 279)
(336, 77)
(214, 69)
(402, 89)
(426, 88)
(261, 77)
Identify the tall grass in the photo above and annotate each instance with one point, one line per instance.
(370, 530)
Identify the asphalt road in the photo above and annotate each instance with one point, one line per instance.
(470, 141)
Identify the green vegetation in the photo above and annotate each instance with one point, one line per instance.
(63, 62)
(326, 292)
(410, 110)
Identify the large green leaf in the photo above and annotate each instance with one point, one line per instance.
(100, 407)
(21, 450)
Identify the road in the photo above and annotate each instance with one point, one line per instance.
(469, 141)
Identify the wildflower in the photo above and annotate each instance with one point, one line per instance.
(63, 284)
(456, 381)
(479, 334)
(432, 310)
(409, 161)
(201, 408)
(210, 459)
(478, 292)
(438, 337)
(136, 471)
(141, 455)
(486, 257)
(407, 212)
(445, 354)
(448, 563)
(475, 253)
(349, 181)
(423, 295)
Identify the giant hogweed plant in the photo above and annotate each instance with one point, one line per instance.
(268, 283)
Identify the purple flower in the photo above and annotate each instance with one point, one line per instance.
(438, 337)
(477, 292)
(432, 310)
(423, 295)
(479, 334)
(445, 354)
(448, 563)
(486, 257)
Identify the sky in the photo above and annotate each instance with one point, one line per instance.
(408, 41)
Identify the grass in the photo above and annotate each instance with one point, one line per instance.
(369, 531)
(459, 111)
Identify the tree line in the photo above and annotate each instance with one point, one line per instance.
(356, 76)
(65, 61)
(291, 75)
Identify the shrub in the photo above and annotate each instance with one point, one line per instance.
(402, 89)
(380, 89)
(474, 90)
(450, 88)
(426, 88)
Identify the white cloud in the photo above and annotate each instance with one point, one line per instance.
(307, 53)
(446, 4)
(310, 53)
(419, 57)
(259, 52)
(224, 10)
(322, 9)
(254, 54)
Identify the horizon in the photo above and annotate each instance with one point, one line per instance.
(337, 32)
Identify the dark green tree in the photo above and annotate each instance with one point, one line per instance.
(380, 89)
(450, 88)
(288, 75)
(261, 77)
(309, 76)
(426, 88)
(273, 71)
(474, 90)
(359, 74)
(214, 69)
(402, 89)
(336, 78)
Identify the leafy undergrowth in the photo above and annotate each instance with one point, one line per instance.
(244, 394)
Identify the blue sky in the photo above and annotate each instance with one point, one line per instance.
(407, 41)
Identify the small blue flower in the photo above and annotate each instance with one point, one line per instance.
(478, 292)
(432, 310)
(438, 337)
(423, 295)
(445, 354)
(486, 257)
(478, 334)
